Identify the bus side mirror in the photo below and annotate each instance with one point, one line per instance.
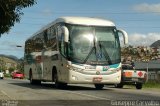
(125, 36)
(65, 33)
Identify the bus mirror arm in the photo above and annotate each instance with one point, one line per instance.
(66, 33)
(125, 36)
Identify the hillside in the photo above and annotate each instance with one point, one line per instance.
(8, 61)
(9, 56)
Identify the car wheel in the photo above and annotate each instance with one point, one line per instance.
(119, 85)
(139, 86)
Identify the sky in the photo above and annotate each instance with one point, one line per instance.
(139, 18)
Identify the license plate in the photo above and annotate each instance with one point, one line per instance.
(134, 79)
(97, 79)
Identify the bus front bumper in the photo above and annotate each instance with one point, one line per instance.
(80, 78)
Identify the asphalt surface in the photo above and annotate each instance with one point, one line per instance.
(16, 92)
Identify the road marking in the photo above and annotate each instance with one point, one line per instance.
(101, 98)
(3, 92)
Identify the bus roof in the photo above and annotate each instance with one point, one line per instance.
(85, 21)
(88, 21)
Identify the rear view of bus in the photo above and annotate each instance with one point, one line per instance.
(88, 52)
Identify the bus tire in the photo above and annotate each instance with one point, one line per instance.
(32, 81)
(58, 84)
(99, 86)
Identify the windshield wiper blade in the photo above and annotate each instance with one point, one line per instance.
(89, 54)
(94, 47)
(105, 52)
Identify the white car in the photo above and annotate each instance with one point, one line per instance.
(1, 74)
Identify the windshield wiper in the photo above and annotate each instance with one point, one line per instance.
(105, 52)
(89, 54)
(94, 47)
(102, 48)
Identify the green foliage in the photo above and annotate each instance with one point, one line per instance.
(7, 75)
(20, 66)
(10, 12)
(11, 69)
(152, 84)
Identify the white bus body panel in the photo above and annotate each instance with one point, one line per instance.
(43, 70)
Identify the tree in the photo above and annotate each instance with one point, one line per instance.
(20, 65)
(10, 12)
(11, 69)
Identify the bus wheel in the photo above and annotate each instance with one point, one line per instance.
(99, 86)
(31, 78)
(139, 86)
(59, 84)
(32, 81)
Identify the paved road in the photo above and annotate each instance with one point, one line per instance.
(15, 92)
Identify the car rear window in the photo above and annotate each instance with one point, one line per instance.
(18, 73)
(128, 67)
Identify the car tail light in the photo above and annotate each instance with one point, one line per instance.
(140, 74)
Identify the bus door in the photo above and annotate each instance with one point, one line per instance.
(63, 58)
(47, 65)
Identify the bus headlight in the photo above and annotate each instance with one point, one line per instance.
(116, 70)
(77, 69)
(74, 68)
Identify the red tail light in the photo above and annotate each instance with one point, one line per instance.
(140, 74)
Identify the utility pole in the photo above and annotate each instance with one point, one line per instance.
(147, 61)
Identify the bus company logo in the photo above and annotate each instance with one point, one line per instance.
(97, 72)
(99, 55)
(105, 68)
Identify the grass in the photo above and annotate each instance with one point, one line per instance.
(147, 85)
(7, 75)
(152, 84)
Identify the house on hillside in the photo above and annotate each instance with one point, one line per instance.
(153, 68)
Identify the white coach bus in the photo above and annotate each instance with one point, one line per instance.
(75, 50)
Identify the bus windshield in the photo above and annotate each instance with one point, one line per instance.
(93, 44)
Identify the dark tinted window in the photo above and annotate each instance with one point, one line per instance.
(124, 67)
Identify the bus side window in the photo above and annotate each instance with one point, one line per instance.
(38, 44)
(52, 39)
(45, 35)
(28, 47)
